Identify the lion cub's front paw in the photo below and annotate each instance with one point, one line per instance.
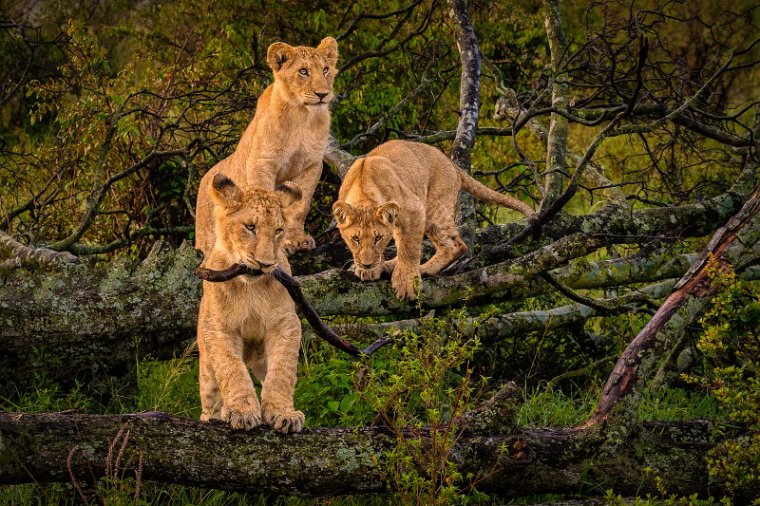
(244, 418)
(301, 243)
(286, 421)
(404, 283)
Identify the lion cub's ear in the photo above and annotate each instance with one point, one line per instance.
(225, 192)
(388, 213)
(329, 48)
(289, 192)
(277, 54)
(344, 213)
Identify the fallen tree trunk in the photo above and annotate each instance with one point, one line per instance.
(76, 320)
(54, 447)
(93, 323)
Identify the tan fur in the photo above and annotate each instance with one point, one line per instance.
(286, 139)
(404, 190)
(249, 322)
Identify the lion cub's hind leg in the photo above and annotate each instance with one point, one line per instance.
(448, 247)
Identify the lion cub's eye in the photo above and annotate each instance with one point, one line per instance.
(304, 72)
(326, 70)
(355, 239)
(279, 231)
(377, 238)
(251, 227)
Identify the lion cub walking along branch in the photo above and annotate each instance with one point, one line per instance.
(249, 322)
(405, 190)
(287, 137)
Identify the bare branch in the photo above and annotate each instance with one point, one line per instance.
(308, 311)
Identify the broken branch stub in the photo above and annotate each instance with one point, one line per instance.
(308, 311)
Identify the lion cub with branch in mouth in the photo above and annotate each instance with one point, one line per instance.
(248, 322)
(404, 190)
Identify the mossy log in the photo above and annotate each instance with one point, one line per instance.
(91, 323)
(59, 447)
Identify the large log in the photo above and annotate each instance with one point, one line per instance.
(52, 447)
(84, 321)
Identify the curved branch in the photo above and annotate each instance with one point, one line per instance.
(93, 203)
(294, 289)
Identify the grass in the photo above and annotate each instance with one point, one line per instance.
(553, 408)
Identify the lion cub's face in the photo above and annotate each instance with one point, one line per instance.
(306, 74)
(249, 222)
(367, 231)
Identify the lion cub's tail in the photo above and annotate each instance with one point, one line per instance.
(482, 192)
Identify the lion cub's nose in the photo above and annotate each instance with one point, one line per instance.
(321, 95)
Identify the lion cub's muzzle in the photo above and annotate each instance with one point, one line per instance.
(259, 265)
(367, 272)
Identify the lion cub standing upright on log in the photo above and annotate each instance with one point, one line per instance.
(249, 321)
(405, 190)
(286, 139)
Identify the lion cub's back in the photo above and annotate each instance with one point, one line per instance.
(422, 169)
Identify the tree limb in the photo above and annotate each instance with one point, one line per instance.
(469, 106)
(49, 447)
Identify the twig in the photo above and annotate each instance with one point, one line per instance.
(578, 372)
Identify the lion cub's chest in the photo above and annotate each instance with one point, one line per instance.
(252, 306)
(300, 152)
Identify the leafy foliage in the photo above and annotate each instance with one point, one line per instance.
(730, 343)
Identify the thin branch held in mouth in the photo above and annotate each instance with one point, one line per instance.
(308, 311)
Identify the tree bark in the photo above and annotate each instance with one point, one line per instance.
(556, 143)
(469, 110)
(53, 447)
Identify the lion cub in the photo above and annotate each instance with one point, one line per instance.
(249, 321)
(405, 190)
(287, 136)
